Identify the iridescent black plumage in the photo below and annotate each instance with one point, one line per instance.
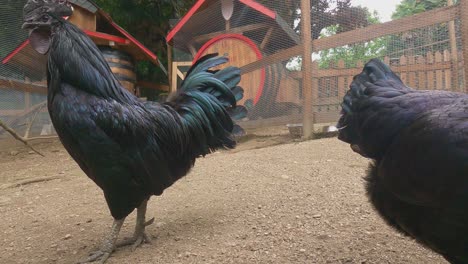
(418, 140)
(135, 149)
(129, 148)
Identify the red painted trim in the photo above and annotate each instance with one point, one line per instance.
(260, 8)
(99, 35)
(251, 3)
(135, 41)
(249, 42)
(14, 52)
(184, 20)
(105, 36)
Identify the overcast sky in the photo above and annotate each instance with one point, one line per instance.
(384, 8)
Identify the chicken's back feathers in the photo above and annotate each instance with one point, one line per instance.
(378, 105)
(418, 181)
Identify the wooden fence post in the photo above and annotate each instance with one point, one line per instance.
(454, 52)
(308, 88)
(464, 34)
(169, 66)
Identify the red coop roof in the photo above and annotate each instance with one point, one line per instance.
(201, 4)
(116, 34)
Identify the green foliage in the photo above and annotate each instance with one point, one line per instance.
(148, 21)
(353, 53)
(420, 41)
(411, 7)
(324, 13)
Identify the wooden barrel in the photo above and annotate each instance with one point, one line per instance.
(121, 64)
(263, 88)
(241, 51)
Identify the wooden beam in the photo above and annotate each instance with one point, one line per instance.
(192, 49)
(464, 33)
(205, 37)
(22, 86)
(107, 37)
(173, 77)
(170, 59)
(267, 38)
(180, 74)
(308, 87)
(177, 73)
(274, 58)
(353, 71)
(453, 51)
(436, 16)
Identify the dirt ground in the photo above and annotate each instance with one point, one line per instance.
(296, 202)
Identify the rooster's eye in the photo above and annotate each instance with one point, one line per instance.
(45, 18)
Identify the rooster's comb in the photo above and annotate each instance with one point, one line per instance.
(58, 7)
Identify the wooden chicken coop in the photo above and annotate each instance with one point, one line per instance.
(23, 78)
(245, 31)
(120, 49)
(259, 41)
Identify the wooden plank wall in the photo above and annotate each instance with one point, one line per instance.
(434, 71)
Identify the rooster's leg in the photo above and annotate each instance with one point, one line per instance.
(109, 244)
(139, 236)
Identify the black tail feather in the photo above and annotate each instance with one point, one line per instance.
(207, 101)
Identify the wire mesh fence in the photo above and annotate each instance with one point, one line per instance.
(264, 39)
(22, 78)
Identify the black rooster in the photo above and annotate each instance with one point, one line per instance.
(129, 148)
(418, 141)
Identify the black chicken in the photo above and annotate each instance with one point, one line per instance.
(129, 148)
(418, 141)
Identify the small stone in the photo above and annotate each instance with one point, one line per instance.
(31, 152)
(89, 220)
(67, 236)
(317, 216)
(323, 237)
(53, 245)
(302, 250)
(14, 153)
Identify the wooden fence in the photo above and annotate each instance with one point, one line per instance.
(429, 72)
